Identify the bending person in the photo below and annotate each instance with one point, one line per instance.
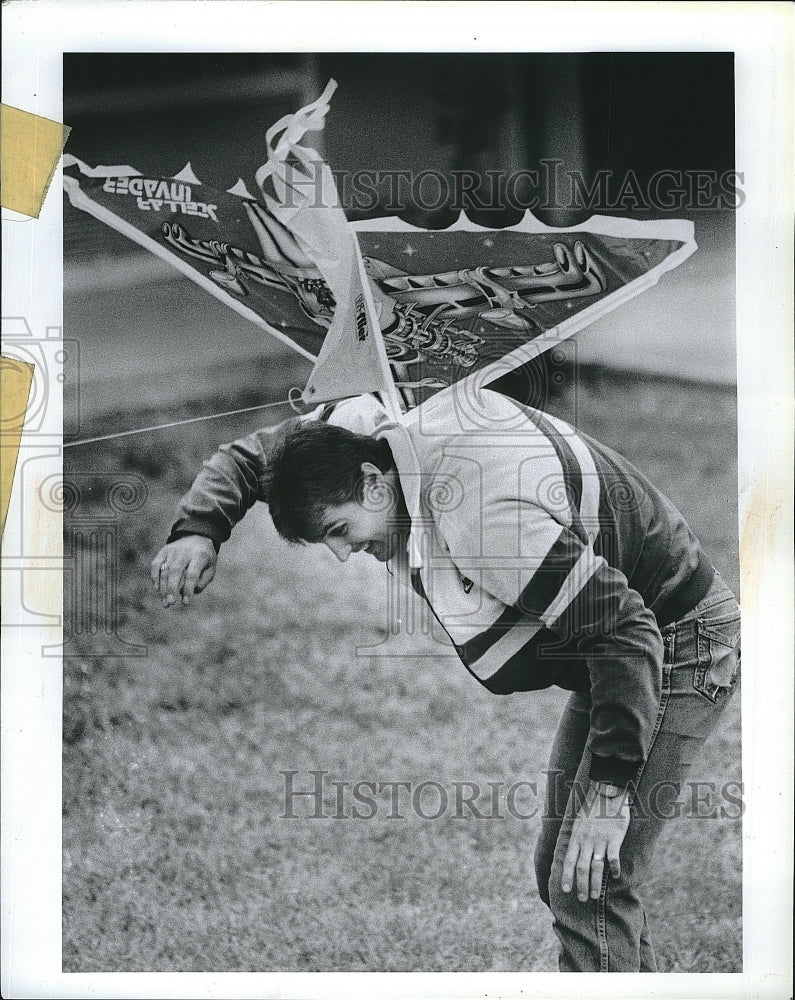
(549, 560)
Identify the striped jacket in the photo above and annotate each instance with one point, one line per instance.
(545, 556)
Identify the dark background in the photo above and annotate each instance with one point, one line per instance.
(409, 111)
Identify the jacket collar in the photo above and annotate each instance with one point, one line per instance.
(409, 474)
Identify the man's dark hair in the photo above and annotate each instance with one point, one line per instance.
(313, 466)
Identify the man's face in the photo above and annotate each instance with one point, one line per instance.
(369, 526)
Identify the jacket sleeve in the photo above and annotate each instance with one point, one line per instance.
(228, 485)
(231, 481)
(607, 622)
(553, 577)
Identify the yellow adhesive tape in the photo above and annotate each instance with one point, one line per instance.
(15, 381)
(30, 148)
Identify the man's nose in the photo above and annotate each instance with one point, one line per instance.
(340, 548)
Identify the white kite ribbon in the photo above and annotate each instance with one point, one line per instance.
(295, 126)
(69, 160)
(352, 360)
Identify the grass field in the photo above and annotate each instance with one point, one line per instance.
(176, 857)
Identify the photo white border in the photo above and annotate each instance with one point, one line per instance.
(761, 35)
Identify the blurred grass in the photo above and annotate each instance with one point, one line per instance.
(175, 855)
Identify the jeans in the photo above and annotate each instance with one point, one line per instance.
(700, 672)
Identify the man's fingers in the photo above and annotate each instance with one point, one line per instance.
(154, 569)
(197, 568)
(584, 872)
(613, 859)
(173, 575)
(162, 566)
(183, 568)
(189, 586)
(568, 865)
(597, 873)
(162, 585)
(205, 577)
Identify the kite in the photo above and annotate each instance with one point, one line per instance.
(378, 306)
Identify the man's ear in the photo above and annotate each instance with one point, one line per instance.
(377, 494)
(369, 471)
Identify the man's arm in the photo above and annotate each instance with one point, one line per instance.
(516, 521)
(553, 577)
(228, 485)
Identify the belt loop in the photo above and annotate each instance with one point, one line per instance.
(668, 638)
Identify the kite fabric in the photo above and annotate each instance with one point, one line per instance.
(379, 305)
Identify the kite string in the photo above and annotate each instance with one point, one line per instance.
(174, 423)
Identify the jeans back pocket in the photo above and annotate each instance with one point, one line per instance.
(718, 663)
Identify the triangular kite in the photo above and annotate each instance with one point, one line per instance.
(378, 305)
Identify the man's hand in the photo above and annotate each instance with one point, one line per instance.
(183, 568)
(598, 833)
